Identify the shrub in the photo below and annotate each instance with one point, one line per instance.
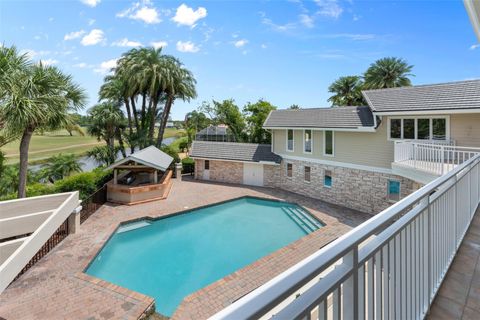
(171, 152)
(39, 189)
(188, 165)
(86, 183)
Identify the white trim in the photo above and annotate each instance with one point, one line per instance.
(293, 140)
(431, 117)
(325, 144)
(426, 112)
(338, 164)
(361, 129)
(241, 161)
(311, 141)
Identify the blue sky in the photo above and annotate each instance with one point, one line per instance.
(286, 52)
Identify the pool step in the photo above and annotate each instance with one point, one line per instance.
(314, 222)
(302, 219)
(133, 226)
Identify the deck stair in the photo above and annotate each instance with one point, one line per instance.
(302, 219)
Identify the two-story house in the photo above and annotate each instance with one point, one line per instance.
(363, 157)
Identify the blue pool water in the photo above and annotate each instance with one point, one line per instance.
(170, 258)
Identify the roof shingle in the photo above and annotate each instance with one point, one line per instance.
(234, 151)
(338, 117)
(443, 96)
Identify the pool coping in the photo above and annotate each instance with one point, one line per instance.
(82, 275)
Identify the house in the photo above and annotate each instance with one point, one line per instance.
(363, 157)
(215, 133)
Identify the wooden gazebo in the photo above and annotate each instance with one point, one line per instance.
(143, 176)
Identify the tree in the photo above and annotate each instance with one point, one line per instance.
(255, 115)
(228, 113)
(346, 91)
(294, 107)
(60, 166)
(108, 124)
(103, 155)
(34, 97)
(71, 125)
(388, 72)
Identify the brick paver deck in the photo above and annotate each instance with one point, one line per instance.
(459, 295)
(56, 287)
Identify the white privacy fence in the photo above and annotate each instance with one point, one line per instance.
(432, 157)
(389, 267)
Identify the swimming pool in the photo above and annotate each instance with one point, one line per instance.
(172, 257)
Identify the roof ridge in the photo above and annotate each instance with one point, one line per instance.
(322, 108)
(423, 85)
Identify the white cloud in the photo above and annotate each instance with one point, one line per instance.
(276, 27)
(127, 43)
(81, 65)
(49, 62)
(32, 53)
(37, 37)
(263, 46)
(144, 11)
(159, 44)
(186, 16)
(306, 20)
(50, 19)
(94, 37)
(329, 8)
(74, 35)
(91, 22)
(187, 46)
(240, 43)
(352, 36)
(474, 46)
(106, 66)
(91, 3)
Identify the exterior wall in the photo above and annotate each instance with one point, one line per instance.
(361, 190)
(465, 129)
(362, 148)
(221, 171)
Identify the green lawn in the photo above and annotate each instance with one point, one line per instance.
(52, 143)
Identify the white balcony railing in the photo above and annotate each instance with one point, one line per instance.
(389, 267)
(431, 157)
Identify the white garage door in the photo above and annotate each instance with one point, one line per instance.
(253, 174)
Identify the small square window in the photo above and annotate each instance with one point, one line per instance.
(393, 190)
(307, 173)
(289, 170)
(327, 179)
(207, 165)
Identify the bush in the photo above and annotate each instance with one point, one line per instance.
(39, 189)
(86, 183)
(171, 152)
(188, 165)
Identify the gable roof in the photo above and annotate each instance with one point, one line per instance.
(338, 117)
(443, 96)
(150, 156)
(235, 151)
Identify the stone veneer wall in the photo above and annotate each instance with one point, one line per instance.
(361, 190)
(221, 171)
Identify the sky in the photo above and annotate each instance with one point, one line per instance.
(286, 52)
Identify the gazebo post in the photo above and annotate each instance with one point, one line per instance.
(115, 176)
(155, 176)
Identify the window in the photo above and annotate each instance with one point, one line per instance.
(307, 173)
(307, 141)
(393, 190)
(423, 129)
(409, 129)
(289, 140)
(289, 170)
(327, 179)
(207, 165)
(431, 128)
(328, 143)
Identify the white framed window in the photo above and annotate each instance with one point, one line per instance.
(307, 173)
(328, 143)
(206, 165)
(290, 140)
(289, 170)
(327, 179)
(393, 190)
(307, 141)
(419, 128)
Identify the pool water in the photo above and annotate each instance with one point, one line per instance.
(173, 257)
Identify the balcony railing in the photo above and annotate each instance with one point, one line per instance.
(432, 157)
(389, 267)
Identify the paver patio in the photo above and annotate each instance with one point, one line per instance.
(56, 287)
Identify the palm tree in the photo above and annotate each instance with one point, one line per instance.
(60, 166)
(35, 97)
(388, 72)
(103, 155)
(347, 91)
(179, 83)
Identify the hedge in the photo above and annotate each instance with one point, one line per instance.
(188, 165)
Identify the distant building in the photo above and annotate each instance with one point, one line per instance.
(220, 133)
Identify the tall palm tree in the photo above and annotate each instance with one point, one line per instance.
(36, 97)
(346, 91)
(179, 83)
(60, 166)
(388, 72)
